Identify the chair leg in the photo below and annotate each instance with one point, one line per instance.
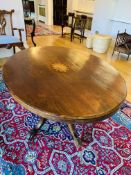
(62, 31)
(14, 49)
(81, 36)
(72, 34)
(32, 38)
(113, 52)
(118, 54)
(128, 56)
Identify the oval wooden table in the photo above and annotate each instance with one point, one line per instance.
(64, 84)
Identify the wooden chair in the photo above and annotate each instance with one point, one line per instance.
(67, 21)
(79, 25)
(9, 41)
(123, 44)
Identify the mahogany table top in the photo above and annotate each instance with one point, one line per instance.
(64, 84)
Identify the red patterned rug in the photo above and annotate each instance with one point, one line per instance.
(41, 29)
(106, 148)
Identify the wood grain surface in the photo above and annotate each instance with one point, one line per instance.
(88, 89)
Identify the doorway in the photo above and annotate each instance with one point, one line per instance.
(59, 10)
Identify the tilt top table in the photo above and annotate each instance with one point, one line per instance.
(64, 84)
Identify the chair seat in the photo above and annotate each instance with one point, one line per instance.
(4, 39)
(123, 49)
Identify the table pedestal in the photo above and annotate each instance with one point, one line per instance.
(71, 127)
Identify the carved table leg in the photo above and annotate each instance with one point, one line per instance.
(34, 131)
(75, 137)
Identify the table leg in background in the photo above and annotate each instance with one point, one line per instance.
(74, 135)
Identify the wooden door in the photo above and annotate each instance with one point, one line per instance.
(59, 10)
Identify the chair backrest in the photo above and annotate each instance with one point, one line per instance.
(84, 20)
(71, 18)
(68, 19)
(80, 22)
(84, 17)
(77, 21)
(4, 20)
(121, 38)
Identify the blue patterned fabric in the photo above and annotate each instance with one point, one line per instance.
(4, 39)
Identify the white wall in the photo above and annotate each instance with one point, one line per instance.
(111, 16)
(86, 5)
(36, 3)
(69, 6)
(42, 2)
(49, 12)
(101, 16)
(121, 18)
(81, 5)
(123, 11)
(18, 20)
